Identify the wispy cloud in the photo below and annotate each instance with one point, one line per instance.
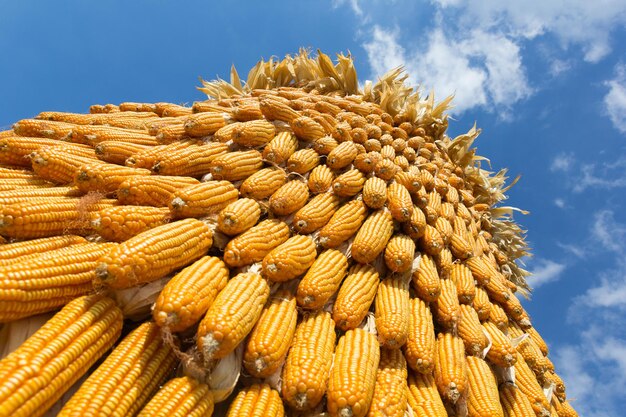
(545, 271)
(560, 203)
(354, 5)
(562, 162)
(582, 176)
(615, 99)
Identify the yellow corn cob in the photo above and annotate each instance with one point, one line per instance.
(14, 150)
(156, 191)
(388, 152)
(450, 367)
(481, 304)
(549, 377)
(399, 253)
(444, 228)
(322, 280)
(289, 198)
(471, 332)
(93, 135)
(234, 166)
(269, 341)
(464, 281)
(14, 172)
(252, 245)
(365, 162)
(254, 133)
(390, 391)
(447, 305)
(263, 183)
(324, 145)
(104, 178)
(483, 398)
(375, 192)
(343, 224)
(355, 297)
(305, 374)
(564, 408)
(341, 156)
(36, 375)
(423, 398)
(22, 184)
(497, 289)
(58, 165)
(527, 383)
(43, 129)
(373, 236)
(154, 253)
(316, 213)
(48, 216)
(514, 402)
(393, 312)
(303, 161)
(119, 223)
(410, 180)
(225, 134)
(498, 316)
(232, 315)
(514, 309)
(320, 179)
(289, 259)
(426, 280)
(385, 169)
(445, 262)
(353, 374)
(416, 225)
(279, 149)
(460, 246)
(501, 353)
(307, 129)
(147, 158)
(273, 109)
(203, 124)
(349, 183)
(107, 108)
(170, 132)
(399, 202)
(191, 161)
(128, 377)
(19, 251)
(534, 334)
(257, 401)
(96, 119)
(202, 199)
(171, 110)
(238, 216)
(420, 346)
(529, 351)
(427, 179)
(180, 397)
(131, 106)
(247, 112)
(116, 152)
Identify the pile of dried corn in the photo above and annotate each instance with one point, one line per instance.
(309, 247)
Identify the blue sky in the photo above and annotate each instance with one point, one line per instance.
(544, 79)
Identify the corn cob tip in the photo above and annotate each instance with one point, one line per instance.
(178, 203)
(210, 344)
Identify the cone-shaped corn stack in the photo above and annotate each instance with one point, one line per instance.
(313, 211)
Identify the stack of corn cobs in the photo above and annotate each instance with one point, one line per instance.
(294, 245)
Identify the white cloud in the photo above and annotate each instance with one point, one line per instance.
(354, 5)
(611, 234)
(544, 272)
(615, 99)
(562, 162)
(384, 52)
(559, 66)
(559, 202)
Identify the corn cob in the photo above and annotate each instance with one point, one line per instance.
(349, 183)
(324, 145)
(498, 316)
(445, 229)
(180, 397)
(120, 223)
(14, 150)
(431, 242)
(385, 169)
(232, 315)
(269, 341)
(154, 253)
(501, 353)
(107, 108)
(450, 367)
(202, 199)
(481, 269)
(564, 408)
(22, 184)
(514, 402)
(529, 351)
(238, 216)
(419, 350)
(303, 161)
(346, 221)
(341, 156)
(247, 112)
(203, 124)
(186, 297)
(147, 158)
(372, 237)
(307, 129)
(399, 202)
(58, 165)
(353, 374)
(171, 110)
(263, 183)
(399, 253)
(393, 311)
(252, 245)
(235, 166)
(375, 192)
(36, 375)
(426, 280)
(483, 399)
(156, 191)
(289, 198)
(116, 152)
(320, 179)
(322, 280)
(274, 109)
(481, 304)
(257, 401)
(316, 213)
(96, 119)
(464, 281)
(191, 161)
(365, 162)
(128, 377)
(416, 225)
(448, 310)
(43, 129)
(14, 172)
(390, 391)
(527, 383)
(423, 398)
(19, 251)
(355, 297)
(534, 334)
(289, 259)
(48, 216)
(93, 135)
(497, 289)
(279, 149)
(131, 106)
(305, 374)
(104, 178)
(471, 332)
